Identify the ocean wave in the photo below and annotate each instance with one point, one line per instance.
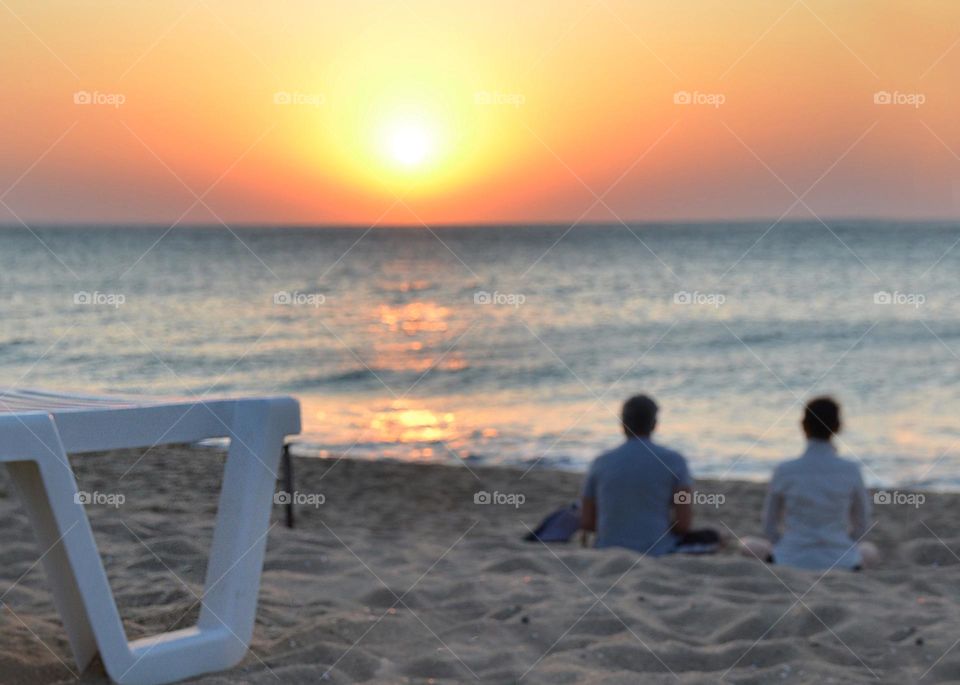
(363, 376)
(15, 342)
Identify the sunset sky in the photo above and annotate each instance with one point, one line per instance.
(452, 112)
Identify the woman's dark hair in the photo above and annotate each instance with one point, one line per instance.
(821, 418)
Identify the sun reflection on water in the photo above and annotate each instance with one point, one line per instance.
(414, 317)
(424, 329)
(403, 423)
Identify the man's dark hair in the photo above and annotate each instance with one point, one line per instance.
(639, 416)
(821, 418)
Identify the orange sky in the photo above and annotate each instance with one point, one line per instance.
(476, 112)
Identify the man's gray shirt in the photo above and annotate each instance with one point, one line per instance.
(633, 487)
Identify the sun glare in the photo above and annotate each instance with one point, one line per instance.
(395, 119)
(409, 144)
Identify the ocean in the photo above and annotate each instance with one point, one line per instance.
(516, 344)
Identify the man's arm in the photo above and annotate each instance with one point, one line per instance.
(588, 500)
(682, 510)
(588, 514)
(682, 498)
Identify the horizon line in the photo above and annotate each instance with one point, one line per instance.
(483, 224)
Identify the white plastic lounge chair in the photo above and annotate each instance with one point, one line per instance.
(37, 431)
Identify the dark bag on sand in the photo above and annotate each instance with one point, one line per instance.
(560, 526)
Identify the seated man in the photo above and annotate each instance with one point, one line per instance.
(819, 501)
(638, 495)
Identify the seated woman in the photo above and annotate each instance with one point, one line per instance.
(817, 510)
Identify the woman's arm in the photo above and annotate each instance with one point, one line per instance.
(859, 512)
(772, 514)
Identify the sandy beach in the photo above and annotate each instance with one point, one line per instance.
(398, 576)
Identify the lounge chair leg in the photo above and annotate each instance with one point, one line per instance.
(56, 564)
(288, 485)
(243, 521)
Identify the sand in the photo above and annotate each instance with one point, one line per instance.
(399, 576)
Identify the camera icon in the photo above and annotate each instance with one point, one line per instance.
(882, 497)
(282, 297)
(82, 498)
(682, 498)
(882, 297)
(482, 297)
(282, 498)
(482, 97)
(882, 97)
(82, 97)
(282, 97)
(682, 297)
(682, 97)
(482, 497)
(82, 297)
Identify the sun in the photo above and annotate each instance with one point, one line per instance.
(398, 121)
(409, 143)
